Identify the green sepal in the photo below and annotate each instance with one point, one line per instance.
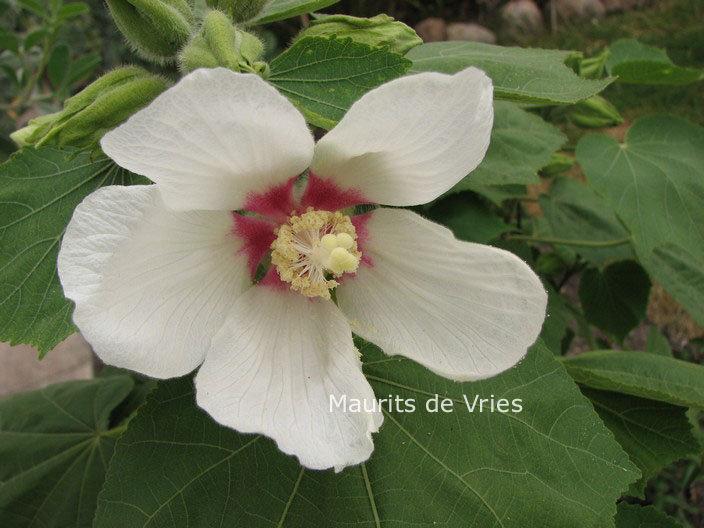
(157, 29)
(239, 10)
(197, 55)
(220, 43)
(594, 67)
(381, 30)
(109, 110)
(559, 163)
(99, 107)
(595, 112)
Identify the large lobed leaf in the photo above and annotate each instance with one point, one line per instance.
(468, 217)
(519, 74)
(654, 434)
(616, 298)
(681, 273)
(637, 63)
(549, 465)
(572, 211)
(635, 516)
(39, 189)
(55, 445)
(521, 144)
(324, 76)
(654, 180)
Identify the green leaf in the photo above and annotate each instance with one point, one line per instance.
(497, 194)
(324, 76)
(143, 385)
(59, 64)
(654, 180)
(83, 67)
(39, 189)
(573, 211)
(521, 144)
(681, 274)
(72, 9)
(35, 38)
(523, 75)
(468, 218)
(175, 464)
(616, 298)
(8, 41)
(637, 63)
(657, 343)
(654, 434)
(635, 516)
(55, 445)
(35, 6)
(655, 183)
(556, 321)
(10, 73)
(281, 9)
(640, 374)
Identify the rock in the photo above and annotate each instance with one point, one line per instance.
(471, 32)
(522, 18)
(489, 4)
(579, 9)
(432, 29)
(22, 371)
(623, 5)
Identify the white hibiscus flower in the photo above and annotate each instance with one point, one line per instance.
(162, 274)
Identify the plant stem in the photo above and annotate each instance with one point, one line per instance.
(47, 47)
(567, 242)
(116, 431)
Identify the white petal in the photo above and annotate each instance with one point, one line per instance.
(151, 285)
(273, 368)
(412, 139)
(212, 139)
(466, 311)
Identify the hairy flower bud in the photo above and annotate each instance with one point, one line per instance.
(595, 112)
(157, 29)
(100, 107)
(559, 162)
(220, 43)
(239, 10)
(381, 30)
(593, 67)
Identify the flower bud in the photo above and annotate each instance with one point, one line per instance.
(157, 29)
(558, 163)
(220, 43)
(593, 67)
(595, 112)
(239, 10)
(380, 30)
(100, 107)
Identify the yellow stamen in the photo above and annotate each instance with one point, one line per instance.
(312, 248)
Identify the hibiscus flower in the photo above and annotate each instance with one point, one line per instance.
(163, 275)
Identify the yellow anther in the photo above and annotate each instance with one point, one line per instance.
(344, 240)
(312, 248)
(342, 261)
(329, 241)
